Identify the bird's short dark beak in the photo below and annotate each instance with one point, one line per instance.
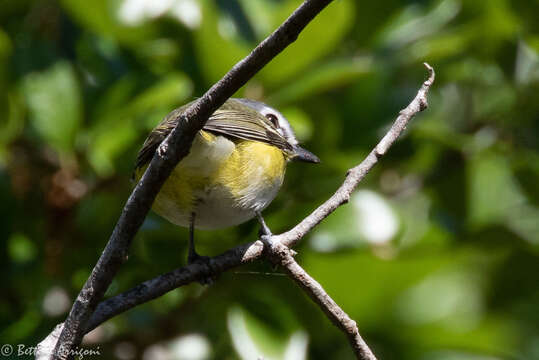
(300, 154)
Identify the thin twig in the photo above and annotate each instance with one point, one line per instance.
(246, 253)
(281, 254)
(356, 174)
(175, 147)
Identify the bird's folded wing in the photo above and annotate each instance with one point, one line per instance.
(246, 125)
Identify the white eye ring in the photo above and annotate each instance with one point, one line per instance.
(274, 120)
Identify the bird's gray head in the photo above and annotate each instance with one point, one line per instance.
(282, 126)
(275, 117)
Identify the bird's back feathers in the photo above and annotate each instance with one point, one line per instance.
(233, 120)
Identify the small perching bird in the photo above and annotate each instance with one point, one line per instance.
(234, 169)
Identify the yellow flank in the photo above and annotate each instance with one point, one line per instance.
(219, 170)
(190, 175)
(250, 168)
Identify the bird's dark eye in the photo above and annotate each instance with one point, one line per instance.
(273, 119)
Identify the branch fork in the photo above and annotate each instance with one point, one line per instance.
(87, 313)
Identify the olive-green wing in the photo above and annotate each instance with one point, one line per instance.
(157, 135)
(229, 120)
(246, 125)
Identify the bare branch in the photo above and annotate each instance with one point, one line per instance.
(282, 255)
(45, 348)
(245, 253)
(175, 147)
(162, 284)
(356, 174)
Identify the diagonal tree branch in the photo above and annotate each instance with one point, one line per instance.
(171, 151)
(245, 253)
(356, 174)
(283, 255)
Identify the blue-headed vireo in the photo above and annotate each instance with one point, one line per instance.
(234, 169)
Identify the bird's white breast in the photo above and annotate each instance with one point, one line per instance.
(223, 183)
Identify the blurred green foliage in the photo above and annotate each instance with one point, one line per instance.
(437, 255)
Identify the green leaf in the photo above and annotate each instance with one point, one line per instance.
(494, 192)
(109, 144)
(527, 64)
(413, 23)
(369, 220)
(115, 130)
(253, 339)
(379, 281)
(103, 17)
(55, 105)
(322, 36)
(6, 47)
(12, 123)
(216, 44)
(23, 327)
(21, 249)
(322, 79)
(174, 88)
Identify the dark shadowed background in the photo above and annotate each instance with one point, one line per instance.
(436, 256)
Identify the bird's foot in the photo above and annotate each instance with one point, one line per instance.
(264, 233)
(266, 237)
(205, 261)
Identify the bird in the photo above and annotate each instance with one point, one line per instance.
(234, 169)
